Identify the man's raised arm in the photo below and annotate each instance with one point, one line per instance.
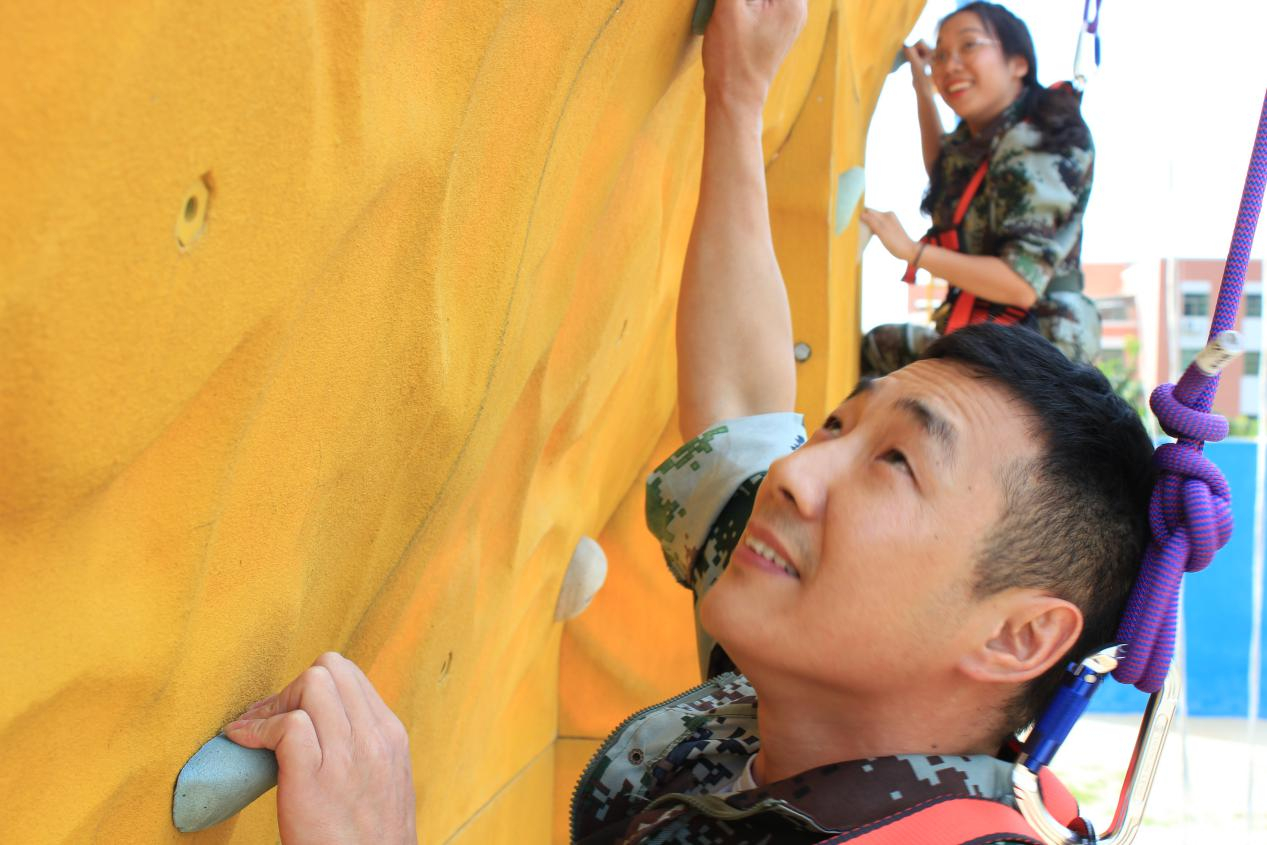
(734, 327)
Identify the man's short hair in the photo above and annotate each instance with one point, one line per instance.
(1076, 518)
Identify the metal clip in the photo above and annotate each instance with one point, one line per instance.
(1135, 787)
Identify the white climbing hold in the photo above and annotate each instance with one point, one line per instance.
(587, 570)
(849, 188)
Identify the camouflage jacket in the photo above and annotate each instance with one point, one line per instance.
(665, 774)
(1028, 212)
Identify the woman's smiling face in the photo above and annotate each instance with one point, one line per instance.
(971, 72)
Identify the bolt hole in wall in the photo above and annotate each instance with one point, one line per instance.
(191, 220)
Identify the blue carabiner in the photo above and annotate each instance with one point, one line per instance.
(1052, 728)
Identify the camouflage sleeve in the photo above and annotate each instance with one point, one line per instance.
(687, 492)
(699, 499)
(1036, 204)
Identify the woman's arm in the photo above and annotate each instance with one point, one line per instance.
(980, 275)
(983, 276)
(930, 128)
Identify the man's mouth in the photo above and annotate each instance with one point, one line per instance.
(764, 551)
(958, 87)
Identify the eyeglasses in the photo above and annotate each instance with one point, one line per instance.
(966, 51)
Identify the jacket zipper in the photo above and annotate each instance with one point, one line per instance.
(619, 729)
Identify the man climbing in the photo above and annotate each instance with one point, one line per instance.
(899, 591)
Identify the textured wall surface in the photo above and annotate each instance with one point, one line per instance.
(333, 326)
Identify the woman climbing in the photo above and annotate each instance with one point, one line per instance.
(1007, 190)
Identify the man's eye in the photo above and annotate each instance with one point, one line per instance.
(895, 457)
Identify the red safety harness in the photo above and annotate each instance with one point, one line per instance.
(966, 309)
(956, 820)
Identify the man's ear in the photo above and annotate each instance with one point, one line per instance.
(1033, 632)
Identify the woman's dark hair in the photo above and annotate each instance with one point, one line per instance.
(1054, 112)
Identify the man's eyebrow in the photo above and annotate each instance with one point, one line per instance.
(934, 424)
(864, 384)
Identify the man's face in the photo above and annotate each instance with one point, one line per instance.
(875, 526)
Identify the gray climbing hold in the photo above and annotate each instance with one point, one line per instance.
(898, 60)
(701, 16)
(849, 188)
(219, 781)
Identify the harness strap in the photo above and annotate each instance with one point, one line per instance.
(1057, 797)
(965, 303)
(945, 821)
(961, 311)
(966, 308)
(949, 239)
(969, 194)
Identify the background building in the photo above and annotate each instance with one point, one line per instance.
(1140, 320)
(1163, 309)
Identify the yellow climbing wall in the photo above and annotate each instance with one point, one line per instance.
(333, 326)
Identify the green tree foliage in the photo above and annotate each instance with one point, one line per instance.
(1122, 373)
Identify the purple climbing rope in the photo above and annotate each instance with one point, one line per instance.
(1091, 25)
(1190, 513)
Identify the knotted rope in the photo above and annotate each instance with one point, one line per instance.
(1190, 513)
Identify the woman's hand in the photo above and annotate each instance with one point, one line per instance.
(885, 226)
(919, 55)
(343, 772)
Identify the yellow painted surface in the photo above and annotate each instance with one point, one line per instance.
(514, 813)
(570, 757)
(412, 340)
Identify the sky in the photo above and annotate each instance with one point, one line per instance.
(1172, 108)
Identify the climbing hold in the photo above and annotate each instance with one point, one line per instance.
(801, 352)
(849, 189)
(584, 578)
(699, 20)
(191, 219)
(218, 781)
(898, 60)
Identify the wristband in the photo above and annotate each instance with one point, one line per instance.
(918, 253)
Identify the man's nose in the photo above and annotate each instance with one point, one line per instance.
(802, 479)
